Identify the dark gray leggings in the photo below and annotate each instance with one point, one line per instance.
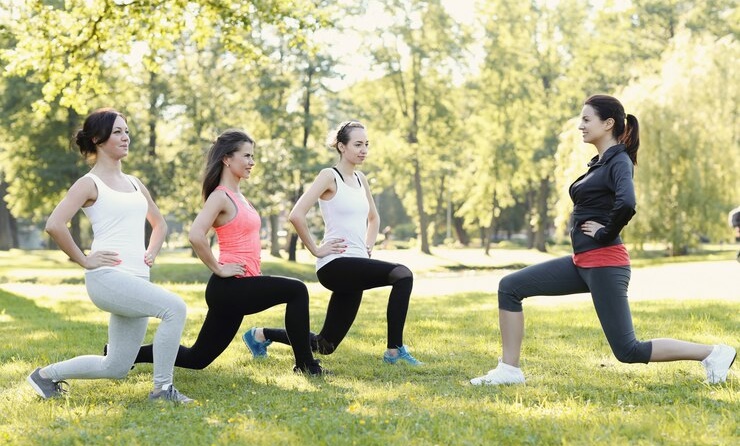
(608, 288)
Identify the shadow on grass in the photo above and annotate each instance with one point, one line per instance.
(576, 392)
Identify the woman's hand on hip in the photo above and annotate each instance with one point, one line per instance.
(230, 270)
(96, 259)
(331, 246)
(590, 228)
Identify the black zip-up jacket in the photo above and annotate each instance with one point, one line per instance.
(604, 194)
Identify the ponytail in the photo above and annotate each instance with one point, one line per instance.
(627, 133)
(631, 137)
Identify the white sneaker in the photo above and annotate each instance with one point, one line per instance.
(718, 363)
(502, 374)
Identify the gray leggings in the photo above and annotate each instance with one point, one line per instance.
(131, 300)
(608, 288)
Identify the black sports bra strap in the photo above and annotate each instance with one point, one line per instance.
(338, 173)
(340, 176)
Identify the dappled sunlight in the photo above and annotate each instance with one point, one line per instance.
(571, 376)
(47, 292)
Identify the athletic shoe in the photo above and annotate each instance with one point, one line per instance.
(502, 374)
(169, 393)
(320, 345)
(403, 356)
(312, 369)
(46, 387)
(258, 349)
(718, 363)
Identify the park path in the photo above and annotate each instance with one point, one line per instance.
(696, 280)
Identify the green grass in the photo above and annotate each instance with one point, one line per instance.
(576, 392)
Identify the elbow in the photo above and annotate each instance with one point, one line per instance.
(160, 224)
(51, 228)
(194, 238)
(293, 218)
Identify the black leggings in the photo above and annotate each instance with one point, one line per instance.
(608, 288)
(347, 278)
(229, 300)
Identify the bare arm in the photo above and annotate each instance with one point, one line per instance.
(323, 184)
(159, 226)
(373, 218)
(82, 192)
(216, 204)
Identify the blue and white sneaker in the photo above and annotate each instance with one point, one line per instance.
(258, 349)
(403, 356)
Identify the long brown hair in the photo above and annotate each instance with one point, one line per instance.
(626, 129)
(227, 143)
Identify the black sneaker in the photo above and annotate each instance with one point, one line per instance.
(312, 369)
(46, 387)
(321, 345)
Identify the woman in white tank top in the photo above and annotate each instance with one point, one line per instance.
(117, 266)
(343, 262)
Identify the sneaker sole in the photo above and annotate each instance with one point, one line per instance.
(36, 388)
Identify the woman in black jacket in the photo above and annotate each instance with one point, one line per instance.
(604, 201)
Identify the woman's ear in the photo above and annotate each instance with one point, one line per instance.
(609, 123)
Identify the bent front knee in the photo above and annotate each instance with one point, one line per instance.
(638, 352)
(399, 273)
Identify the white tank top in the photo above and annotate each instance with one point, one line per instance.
(118, 220)
(345, 217)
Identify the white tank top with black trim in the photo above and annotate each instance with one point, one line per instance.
(345, 217)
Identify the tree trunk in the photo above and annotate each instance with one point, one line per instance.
(423, 229)
(462, 236)
(6, 222)
(543, 219)
(301, 161)
(274, 239)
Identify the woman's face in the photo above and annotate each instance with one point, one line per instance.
(592, 127)
(117, 144)
(355, 151)
(240, 163)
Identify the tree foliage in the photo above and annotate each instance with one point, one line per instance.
(475, 119)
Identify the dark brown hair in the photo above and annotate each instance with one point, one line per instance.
(227, 143)
(341, 134)
(626, 130)
(96, 130)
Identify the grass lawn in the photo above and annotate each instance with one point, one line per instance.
(576, 392)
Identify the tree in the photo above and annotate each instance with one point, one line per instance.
(418, 54)
(687, 173)
(63, 45)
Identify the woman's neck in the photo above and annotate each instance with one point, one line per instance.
(230, 182)
(345, 167)
(107, 166)
(603, 146)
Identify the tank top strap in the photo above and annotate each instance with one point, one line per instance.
(230, 193)
(336, 172)
(99, 182)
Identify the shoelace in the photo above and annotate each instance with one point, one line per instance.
(173, 394)
(61, 386)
